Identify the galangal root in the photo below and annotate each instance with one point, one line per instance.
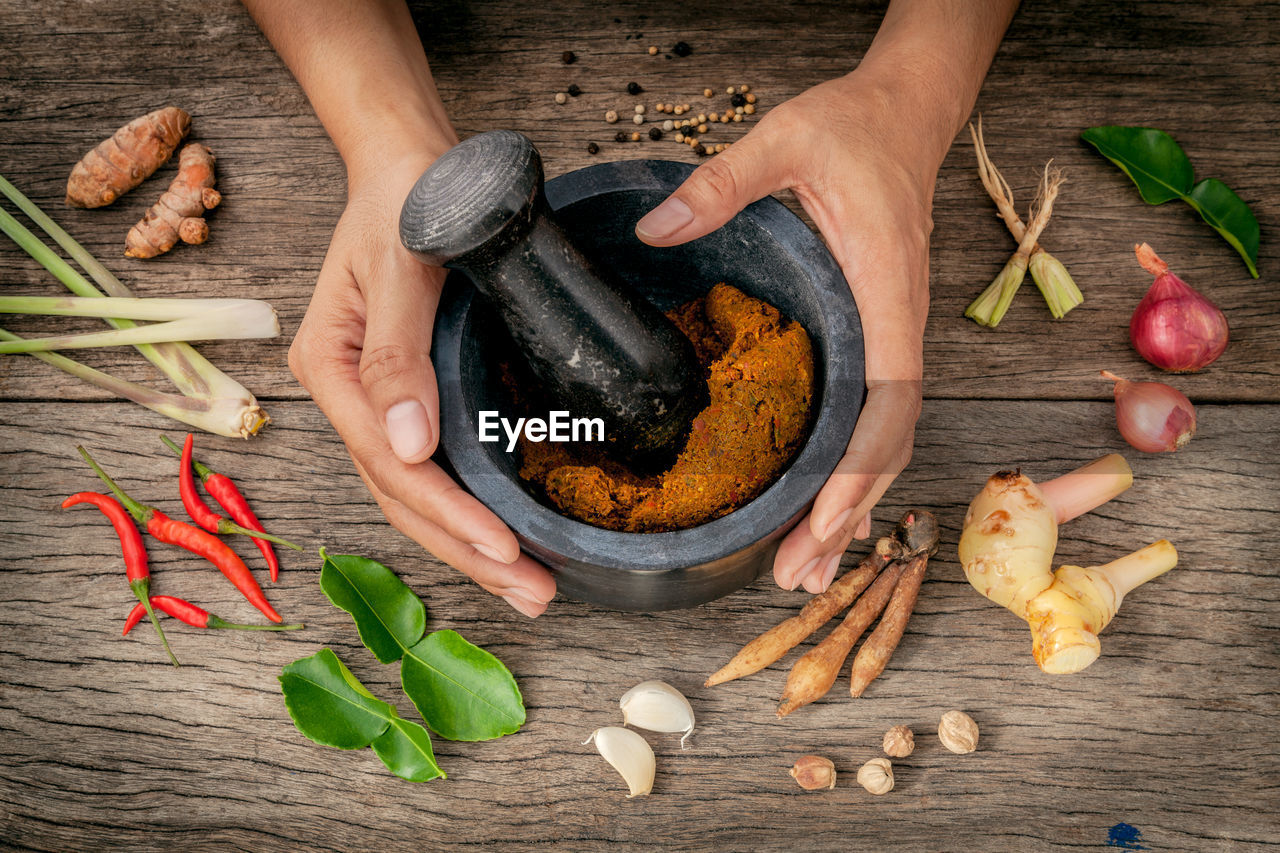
(179, 214)
(890, 575)
(127, 158)
(1010, 534)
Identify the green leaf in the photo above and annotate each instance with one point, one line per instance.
(329, 705)
(1230, 216)
(389, 617)
(405, 748)
(1152, 160)
(461, 691)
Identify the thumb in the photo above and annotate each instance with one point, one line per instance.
(395, 363)
(715, 192)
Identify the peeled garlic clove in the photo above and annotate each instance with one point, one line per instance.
(658, 707)
(629, 754)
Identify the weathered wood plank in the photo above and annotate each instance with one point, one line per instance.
(1205, 73)
(103, 740)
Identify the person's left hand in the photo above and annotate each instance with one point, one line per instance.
(856, 162)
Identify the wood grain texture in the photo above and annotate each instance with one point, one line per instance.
(102, 744)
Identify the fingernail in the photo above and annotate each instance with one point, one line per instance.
(803, 572)
(532, 609)
(490, 552)
(836, 523)
(864, 528)
(665, 219)
(829, 571)
(408, 429)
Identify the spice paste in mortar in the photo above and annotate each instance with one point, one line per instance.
(759, 368)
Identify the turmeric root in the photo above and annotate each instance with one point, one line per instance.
(874, 655)
(813, 675)
(178, 215)
(127, 158)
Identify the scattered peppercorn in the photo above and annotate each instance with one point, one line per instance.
(702, 118)
(738, 100)
(679, 110)
(703, 150)
(682, 49)
(592, 148)
(633, 88)
(653, 50)
(611, 116)
(679, 137)
(639, 109)
(655, 133)
(638, 118)
(574, 90)
(702, 128)
(620, 136)
(568, 57)
(729, 91)
(751, 99)
(668, 125)
(739, 110)
(724, 119)
(561, 97)
(713, 116)
(744, 89)
(635, 137)
(737, 117)
(707, 93)
(749, 109)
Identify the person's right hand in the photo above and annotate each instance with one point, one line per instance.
(363, 352)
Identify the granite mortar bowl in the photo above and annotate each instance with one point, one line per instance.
(767, 252)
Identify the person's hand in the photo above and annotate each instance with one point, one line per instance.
(363, 353)
(857, 166)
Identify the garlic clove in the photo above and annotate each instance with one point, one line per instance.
(658, 707)
(630, 755)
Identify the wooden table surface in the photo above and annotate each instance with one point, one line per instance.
(1172, 732)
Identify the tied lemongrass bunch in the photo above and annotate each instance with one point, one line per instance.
(1054, 282)
(208, 399)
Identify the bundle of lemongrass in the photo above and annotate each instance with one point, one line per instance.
(208, 398)
(1056, 285)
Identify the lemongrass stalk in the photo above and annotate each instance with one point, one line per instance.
(217, 325)
(1055, 284)
(192, 373)
(1051, 277)
(990, 306)
(218, 415)
(135, 308)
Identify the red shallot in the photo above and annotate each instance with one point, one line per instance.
(1152, 416)
(1174, 327)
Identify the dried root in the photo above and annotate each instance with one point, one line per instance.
(127, 158)
(179, 214)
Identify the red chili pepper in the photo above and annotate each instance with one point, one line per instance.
(229, 498)
(193, 539)
(185, 611)
(135, 554)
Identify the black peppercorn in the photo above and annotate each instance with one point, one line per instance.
(573, 90)
(592, 148)
(655, 133)
(568, 57)
(633, 88)
(620, 137)
(682, 49)
(736, 100)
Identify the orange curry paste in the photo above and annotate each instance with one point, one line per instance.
(760, 382)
